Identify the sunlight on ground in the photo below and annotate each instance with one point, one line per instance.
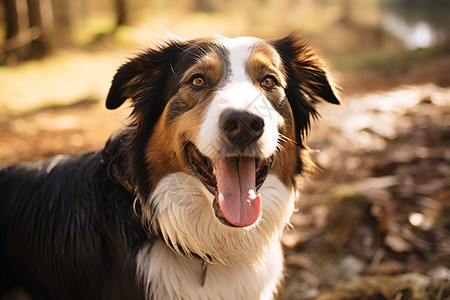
(60, 79)
(367, 122)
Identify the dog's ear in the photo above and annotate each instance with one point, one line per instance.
(118, 92)
(146, 74)
(307, 81)
(304, 70)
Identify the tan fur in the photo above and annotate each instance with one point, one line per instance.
(166, 160)
(169, 159)
(264, 59)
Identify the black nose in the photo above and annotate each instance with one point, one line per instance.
(240, 128)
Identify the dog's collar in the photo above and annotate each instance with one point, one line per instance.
(204, 264)
(190, 256)
(204, 270)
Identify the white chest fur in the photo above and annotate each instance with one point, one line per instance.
(247, 262)
(175, 277)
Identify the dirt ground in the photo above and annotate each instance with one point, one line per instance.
(372, 223)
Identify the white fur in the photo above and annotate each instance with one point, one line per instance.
(239, 93)
(245, 263)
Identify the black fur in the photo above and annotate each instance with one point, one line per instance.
(307, 83)
(67, 230)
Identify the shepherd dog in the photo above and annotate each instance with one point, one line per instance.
(188, 200)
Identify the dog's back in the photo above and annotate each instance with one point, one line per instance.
(62, 227)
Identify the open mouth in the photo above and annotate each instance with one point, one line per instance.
(234, 182)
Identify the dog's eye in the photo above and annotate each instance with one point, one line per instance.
(198, 81)
(269, 82)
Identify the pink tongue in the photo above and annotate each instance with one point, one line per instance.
(237, 192)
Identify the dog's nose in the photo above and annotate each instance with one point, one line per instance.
(240, 128)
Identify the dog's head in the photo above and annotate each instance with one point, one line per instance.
(227, 111)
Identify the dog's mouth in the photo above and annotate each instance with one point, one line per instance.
(234, 182)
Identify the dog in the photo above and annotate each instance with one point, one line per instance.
(190, 199)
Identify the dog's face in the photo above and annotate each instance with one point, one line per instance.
(227, 111)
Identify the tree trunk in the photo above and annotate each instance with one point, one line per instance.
(346, 12)
(64, 20)
(42, 45)
(12, 18)
(18, 33)
(121, 12)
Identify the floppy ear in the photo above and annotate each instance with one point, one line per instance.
(304, 70)
(307, 81)
(118, 91)
(143, 76)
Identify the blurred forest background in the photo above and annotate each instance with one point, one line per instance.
(373, 222)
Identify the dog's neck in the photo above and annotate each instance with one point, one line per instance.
(180, 211)
(167, 275)
(168, 213)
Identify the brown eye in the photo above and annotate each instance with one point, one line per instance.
(198, 81)
(268, 82)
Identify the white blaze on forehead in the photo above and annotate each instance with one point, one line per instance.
(239, 51)
(239, 92)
